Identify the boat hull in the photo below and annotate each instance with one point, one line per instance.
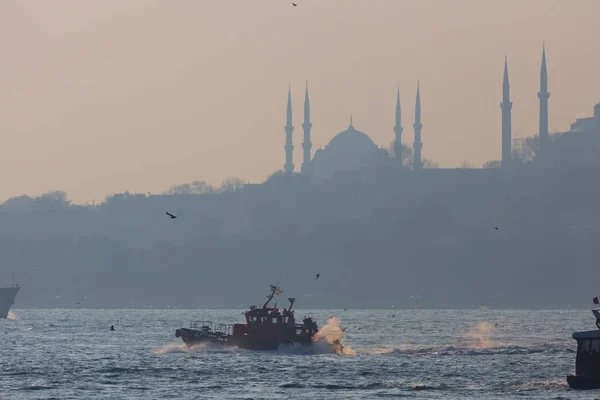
(242, 344)
(254, 344)
(190, 338)
(578, 382)
(7, 299)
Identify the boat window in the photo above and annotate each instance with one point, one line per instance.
(595, 346)
(584, 346)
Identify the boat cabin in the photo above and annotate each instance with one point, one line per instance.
(271, 321)
(274, 317)
(268, 316)
(587, 362)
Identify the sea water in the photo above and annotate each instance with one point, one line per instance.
(421, 354)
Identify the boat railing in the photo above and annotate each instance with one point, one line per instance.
(223, 329)
(201, 325)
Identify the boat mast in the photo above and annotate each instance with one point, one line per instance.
(270, 296)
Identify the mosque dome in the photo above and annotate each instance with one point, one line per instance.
(349, 151)
(351, 140)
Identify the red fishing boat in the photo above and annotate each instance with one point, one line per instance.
(266, 328)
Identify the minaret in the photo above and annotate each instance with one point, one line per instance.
(398, 131)
(306, 146)
(506, 106)
(289, 147)
(543, 95)
(417, 145)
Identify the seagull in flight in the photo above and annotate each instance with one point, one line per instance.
(171, 215)
(317, 276)
(294, 4)
(496, 228)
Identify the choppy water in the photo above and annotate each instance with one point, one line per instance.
(424, 354)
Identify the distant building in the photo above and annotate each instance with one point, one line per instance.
(543, 95)
(580, 145)
(349, 151)
(352, 151)
(417, 144)
(589, 124)
(506, 107)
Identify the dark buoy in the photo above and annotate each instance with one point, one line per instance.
(112, 327)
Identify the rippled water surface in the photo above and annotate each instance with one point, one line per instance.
(424, 354)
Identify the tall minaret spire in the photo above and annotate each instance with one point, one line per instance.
(306, 125)
(417, 145)
(506, 106)
(398, 131)
(289, 147)
(543, 94)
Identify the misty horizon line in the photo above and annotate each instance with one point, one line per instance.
(401, 308)
(212, 189)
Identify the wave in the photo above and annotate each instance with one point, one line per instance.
(367, 386)
(543, 384)
(476, 341)
(329, 339)
(416, 385)
(36, 388)
(465, 351)
(171, 348)
(174, 348)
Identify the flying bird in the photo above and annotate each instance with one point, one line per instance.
(317, 276)
(294, 4)
(171, 215)
(496, 228)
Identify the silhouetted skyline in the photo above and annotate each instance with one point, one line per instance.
(94, 99)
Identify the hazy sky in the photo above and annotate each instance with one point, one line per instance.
(99, 97)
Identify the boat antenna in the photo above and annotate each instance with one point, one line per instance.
(278, 279)
(270, 296)
(274, 288)
(277, 285)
